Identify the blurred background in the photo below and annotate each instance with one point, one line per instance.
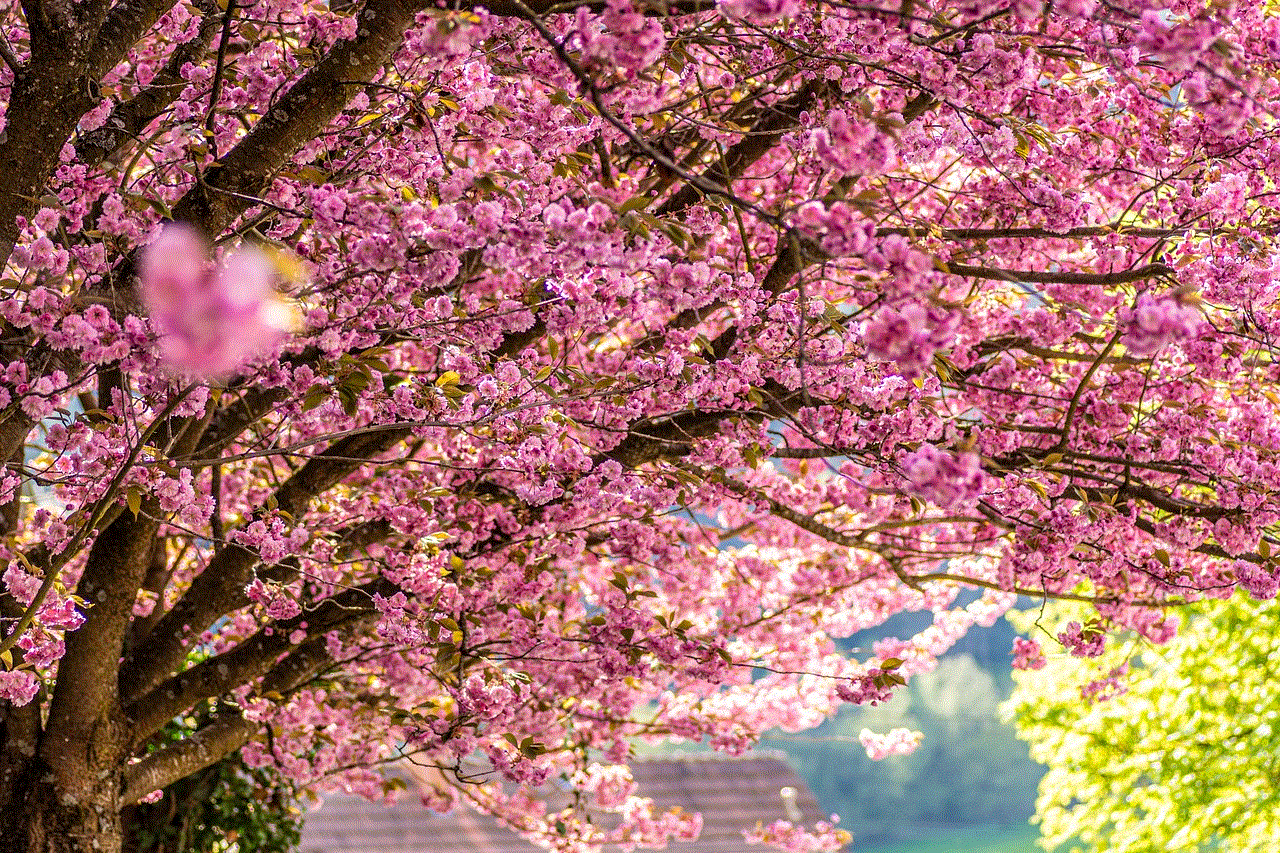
(968, 788)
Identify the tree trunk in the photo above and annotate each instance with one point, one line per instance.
(43, 810)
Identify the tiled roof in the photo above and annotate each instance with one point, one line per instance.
(732, 794)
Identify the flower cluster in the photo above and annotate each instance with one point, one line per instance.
(18, 686)
(897, 741)
(844, 296)
(1027, 654)
(1260, 581)
(623, 39)
(1156, 321)
(851, 146)
(761, 11)
(1082, 642)
(872, 688)
(210, 322)
(944, 478)
(825, 837)
(1179, 46)
(909, 335)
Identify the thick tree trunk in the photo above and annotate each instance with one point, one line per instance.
(59, 797)
(41, 816)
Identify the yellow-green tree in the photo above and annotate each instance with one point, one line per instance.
(1185, 758)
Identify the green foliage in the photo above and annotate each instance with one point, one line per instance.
(1184, 760)
(225, 808)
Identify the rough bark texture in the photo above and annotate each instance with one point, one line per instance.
(71, 806)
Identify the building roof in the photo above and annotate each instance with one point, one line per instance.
(732, 794)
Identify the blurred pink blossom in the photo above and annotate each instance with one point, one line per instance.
(210, 321)
(760, 11)
(894, 742)
(1155, 322)
(947, 479)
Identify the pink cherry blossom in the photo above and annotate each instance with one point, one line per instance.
(897, 741)
(1155, 322)
(1082, 642)
(644, 354)
(18, 686)
(210, 322)
(762, 11)
(1027, 654)
(947, 479)
(909, 336)
(1261, 582)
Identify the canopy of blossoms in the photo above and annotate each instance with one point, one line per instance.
(501, 385)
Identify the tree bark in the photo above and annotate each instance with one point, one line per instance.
(44, 812)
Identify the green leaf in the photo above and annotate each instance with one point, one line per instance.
(133, 497)
(633, 204)
(315, 395)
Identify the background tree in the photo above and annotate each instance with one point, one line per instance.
(572, 375)
(1175, 746)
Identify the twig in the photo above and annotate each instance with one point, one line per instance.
(10, 59)
(215, 90)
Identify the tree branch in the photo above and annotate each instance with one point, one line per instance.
(226, 733)
(230, 185)
(755, 143)
(128, 119)
(219, 589)
(123, 25)
(1046, 277)
(11, 60)
(59, 85)
(252, 658)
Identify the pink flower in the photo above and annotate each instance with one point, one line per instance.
(871, 688)
(894, 742)
(612, 784)
(210, 322)
(1258, 581)
(854, 147)
(1179, 47)
(944, 478)
(786, 836)
(760, 11)
(629, 40)
(1027, 654)
(1082, 642)
(18, 687)
(1155, 322)
(909, 336)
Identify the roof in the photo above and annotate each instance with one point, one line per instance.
(732, 794)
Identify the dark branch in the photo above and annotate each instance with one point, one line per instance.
(219, 589)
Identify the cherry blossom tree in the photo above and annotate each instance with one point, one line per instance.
(493, 386)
